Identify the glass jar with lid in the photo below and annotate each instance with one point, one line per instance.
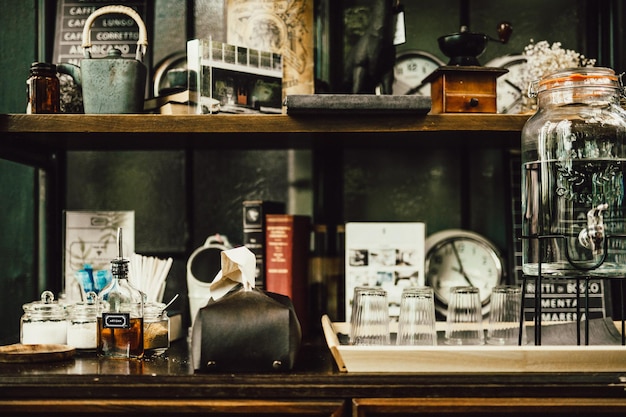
(44, 322)
(82, 323)
(43, 89)
(573, 170)
(156, 328)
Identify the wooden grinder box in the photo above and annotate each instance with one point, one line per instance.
(464, 89)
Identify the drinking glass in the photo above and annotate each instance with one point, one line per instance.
(504, 316)
(370, 317)
(465, 320)
(416, 323)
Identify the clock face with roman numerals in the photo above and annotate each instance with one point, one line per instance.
(410, 69)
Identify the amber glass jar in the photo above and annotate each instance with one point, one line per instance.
(43, 89)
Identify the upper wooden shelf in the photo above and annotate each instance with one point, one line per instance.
(343, 123)
(24, 137)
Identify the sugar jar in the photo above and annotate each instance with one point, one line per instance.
(82, 323)
(43, 322)
(573, 171)
(156, 328)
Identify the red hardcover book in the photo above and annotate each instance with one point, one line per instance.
(287, 244)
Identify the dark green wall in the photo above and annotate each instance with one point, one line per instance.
(18, 205)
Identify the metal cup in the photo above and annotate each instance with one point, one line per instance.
(505, 322)
(465, 320)
(416, 323)
(370, 317)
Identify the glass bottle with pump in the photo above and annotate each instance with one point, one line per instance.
(120, 324)
(573, 171)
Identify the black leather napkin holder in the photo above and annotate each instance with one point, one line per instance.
(246, 331)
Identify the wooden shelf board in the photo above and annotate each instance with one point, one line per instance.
(149, 123)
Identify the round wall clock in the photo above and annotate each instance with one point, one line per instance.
(510, 89)
(410, 69)
(461, 258)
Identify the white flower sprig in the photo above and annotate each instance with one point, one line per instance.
(543, 58)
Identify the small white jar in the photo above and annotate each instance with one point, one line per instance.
(43, 322)
(82, 324)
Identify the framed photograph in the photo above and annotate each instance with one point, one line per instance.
(280, 27)
(388, 255)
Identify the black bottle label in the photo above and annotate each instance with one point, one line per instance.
(116, 320)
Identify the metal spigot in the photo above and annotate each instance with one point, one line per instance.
(592, 237)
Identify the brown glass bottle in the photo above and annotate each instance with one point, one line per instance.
(43, 89)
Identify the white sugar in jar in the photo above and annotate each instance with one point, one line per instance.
(82, 324)
(43, 322)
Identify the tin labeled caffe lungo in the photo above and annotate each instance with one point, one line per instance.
(573, 168)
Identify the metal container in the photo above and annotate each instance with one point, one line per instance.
(111, 84)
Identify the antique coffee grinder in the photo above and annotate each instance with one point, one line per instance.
(464, 86)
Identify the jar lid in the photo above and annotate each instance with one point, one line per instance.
(153, 309)
(89, 308)
(46, 307)
(43, 66)
(576, 77)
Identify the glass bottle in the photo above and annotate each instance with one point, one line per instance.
(43, 322)
(573, 169)
(120, 324)
(44, 91)
(156, 328)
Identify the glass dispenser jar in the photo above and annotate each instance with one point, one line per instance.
(573, 165)
(43, 322)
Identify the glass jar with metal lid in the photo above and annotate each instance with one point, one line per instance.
(156, 328)
(44, 322)
(573, 170)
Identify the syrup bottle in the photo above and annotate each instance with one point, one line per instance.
(120, 324)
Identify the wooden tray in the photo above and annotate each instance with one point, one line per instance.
(18, 353)
(470, 359)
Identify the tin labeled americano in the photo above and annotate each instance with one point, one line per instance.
(573, 168)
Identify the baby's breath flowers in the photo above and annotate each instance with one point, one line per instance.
(543, 58)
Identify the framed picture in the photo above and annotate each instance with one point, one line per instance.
(388, 255)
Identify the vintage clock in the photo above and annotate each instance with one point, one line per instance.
(461, 258)
(410, 70)
(510, 87)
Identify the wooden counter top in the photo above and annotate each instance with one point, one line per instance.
(315, 375)
(167, 386)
